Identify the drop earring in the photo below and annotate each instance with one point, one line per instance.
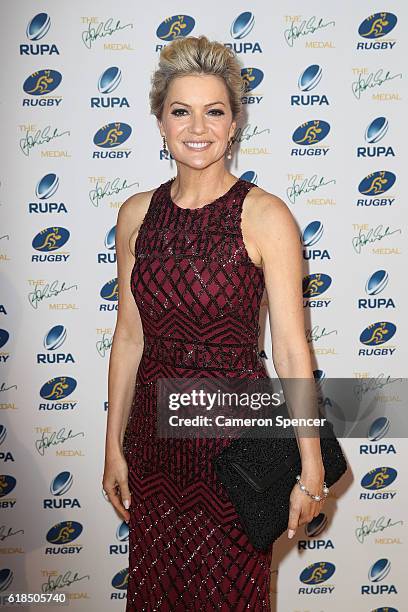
(229, 154)
(165, 150)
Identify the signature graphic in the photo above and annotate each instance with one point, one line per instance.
(4, 388)
(10, 532)
(110, 188)
(370, 384)
(371, 236)
(47, 291)
(314, 334)
(372, 80)
(40, 137)
(105, 28)
(373, 527)
(243, 133)
(304, 28)
(57, 437)
(62, 581)
(308, 184)
(104, 345)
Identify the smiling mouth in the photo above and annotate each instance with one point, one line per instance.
(197, 145)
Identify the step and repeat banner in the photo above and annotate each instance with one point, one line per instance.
(325, 129)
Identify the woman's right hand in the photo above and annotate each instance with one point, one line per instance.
(115, 482)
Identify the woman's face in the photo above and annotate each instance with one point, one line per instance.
(197, 110)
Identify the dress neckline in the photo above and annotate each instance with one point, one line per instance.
(216, 201)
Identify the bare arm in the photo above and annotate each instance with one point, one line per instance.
(127, 345)
(126, 351)
(278, 242)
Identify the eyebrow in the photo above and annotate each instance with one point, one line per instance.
(209, 104)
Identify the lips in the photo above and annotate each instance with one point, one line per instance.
(197, 145)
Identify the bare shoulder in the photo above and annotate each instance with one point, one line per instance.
(267, 213)
(263, 205)
(131, 215)
(135, 206)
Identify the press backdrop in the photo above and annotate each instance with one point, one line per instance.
(325, 129)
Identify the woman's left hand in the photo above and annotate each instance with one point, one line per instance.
(302, 508)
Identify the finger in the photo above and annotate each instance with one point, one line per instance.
(314, 510)
(294, 513)
(125, 493)
(317, 509)
(307, 513)
(113, 494)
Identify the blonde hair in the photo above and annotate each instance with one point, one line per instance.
(191, 55)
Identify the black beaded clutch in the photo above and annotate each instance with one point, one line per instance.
(259, 473)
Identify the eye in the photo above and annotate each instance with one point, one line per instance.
(179, 112)
(176, 111)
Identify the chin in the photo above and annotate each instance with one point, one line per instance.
(196, 163)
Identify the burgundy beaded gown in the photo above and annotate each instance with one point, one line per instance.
(198, 294)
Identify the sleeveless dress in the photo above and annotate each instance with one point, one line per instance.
(198, 294)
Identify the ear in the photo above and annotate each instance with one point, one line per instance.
(160, 126)
(232, 129)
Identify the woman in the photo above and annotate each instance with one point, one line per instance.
(190, 288)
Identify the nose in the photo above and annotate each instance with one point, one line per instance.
(197, 125)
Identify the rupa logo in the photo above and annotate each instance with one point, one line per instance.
(108, 82)
(373, 186)
(60, 485)
(374, 133)
(241, 27)
(120, 583)
(311, 235)
(37, 29)
(250, 176)
(6, 580)
(110, 255)
(45, 189)
(376, 574)
(5, 455)
(378, 429)
(308, 80)
(122, 538)
(375, 27)
(376, 283)
(319, 377)
(313, 529)
(53, 340)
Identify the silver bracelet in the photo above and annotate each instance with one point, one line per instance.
(315, 497)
